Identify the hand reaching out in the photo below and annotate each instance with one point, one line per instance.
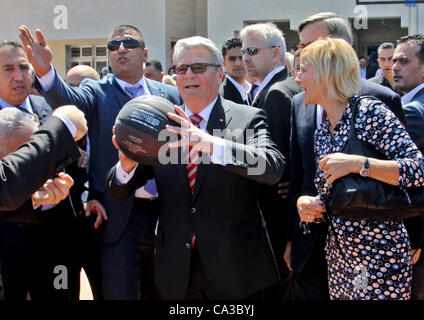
(39, 53)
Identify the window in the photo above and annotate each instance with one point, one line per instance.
(92, 56)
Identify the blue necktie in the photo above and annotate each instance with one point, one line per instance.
(132, 90)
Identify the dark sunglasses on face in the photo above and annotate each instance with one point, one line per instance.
(251, 51)
(198, 67)
(114, 45)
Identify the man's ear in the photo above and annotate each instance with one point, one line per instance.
(146, 55)
(276, 54)
(221, 74)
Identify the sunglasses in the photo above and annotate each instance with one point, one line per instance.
(130, 43)
(251, 51)
(198, 67)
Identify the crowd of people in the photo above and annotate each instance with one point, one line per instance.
(215, 229)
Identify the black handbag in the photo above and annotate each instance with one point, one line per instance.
(364, 198)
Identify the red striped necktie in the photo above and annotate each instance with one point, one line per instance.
(193, 155)
(191, 167)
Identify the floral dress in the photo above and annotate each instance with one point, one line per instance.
(369, 259)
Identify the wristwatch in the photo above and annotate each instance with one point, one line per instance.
(365, 170)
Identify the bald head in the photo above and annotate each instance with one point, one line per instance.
(16, 126)
(78, 73)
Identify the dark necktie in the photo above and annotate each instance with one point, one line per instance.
(251, 93)
(191, 167)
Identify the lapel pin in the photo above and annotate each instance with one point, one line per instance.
(221, 120)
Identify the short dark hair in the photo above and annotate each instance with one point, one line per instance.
(386, 45)
(12, 44)
(231, 43)
(155, 63)
(126, 27)
(417, 39)
(362, 57)
(337, 27)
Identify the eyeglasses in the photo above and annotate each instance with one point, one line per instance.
(251, 51)
(130, 43)
(198, 67)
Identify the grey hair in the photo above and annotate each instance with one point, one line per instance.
(272, 35)
(197, 42)
(13, 120)
(337, 27)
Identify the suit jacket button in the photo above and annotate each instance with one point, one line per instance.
(188, 245)
(193, 210)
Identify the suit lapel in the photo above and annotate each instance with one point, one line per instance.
(418, 94)
(119, 93)
(40, 108)
(219, 119)
(279, 76)
(155, 89)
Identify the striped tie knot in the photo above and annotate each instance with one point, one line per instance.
(196, 119)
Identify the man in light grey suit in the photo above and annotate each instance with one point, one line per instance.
(408, 76)
(127, 236)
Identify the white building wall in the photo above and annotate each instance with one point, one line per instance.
(87, 19)
(226, 17)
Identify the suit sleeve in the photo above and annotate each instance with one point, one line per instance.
(60, 93)
(124, 191)
(414, 112)
(47, 152)
(296, 175)
(277, 107)
(258, 158)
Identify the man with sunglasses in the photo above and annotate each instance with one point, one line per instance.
(305, 251)
(263, 55)
(234, 87)
(127, 235)
(211, 240)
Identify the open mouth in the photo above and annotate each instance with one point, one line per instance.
(191, 87)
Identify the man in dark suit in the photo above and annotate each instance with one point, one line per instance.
(211, 239)
(385, 55)
(264, 54)
(49, 149)
(25, 268)
(24, 255)
(234, 87)
(128, 234)
(305, 250)
(408, 76)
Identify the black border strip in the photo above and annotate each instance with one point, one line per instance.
(360, 2)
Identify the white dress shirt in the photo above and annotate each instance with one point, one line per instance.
(242, 89)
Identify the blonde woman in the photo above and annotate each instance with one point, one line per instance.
(366, 260)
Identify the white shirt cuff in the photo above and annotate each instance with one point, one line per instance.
(72, 129)
(46, 81)
(218, 154)
(121, 176)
